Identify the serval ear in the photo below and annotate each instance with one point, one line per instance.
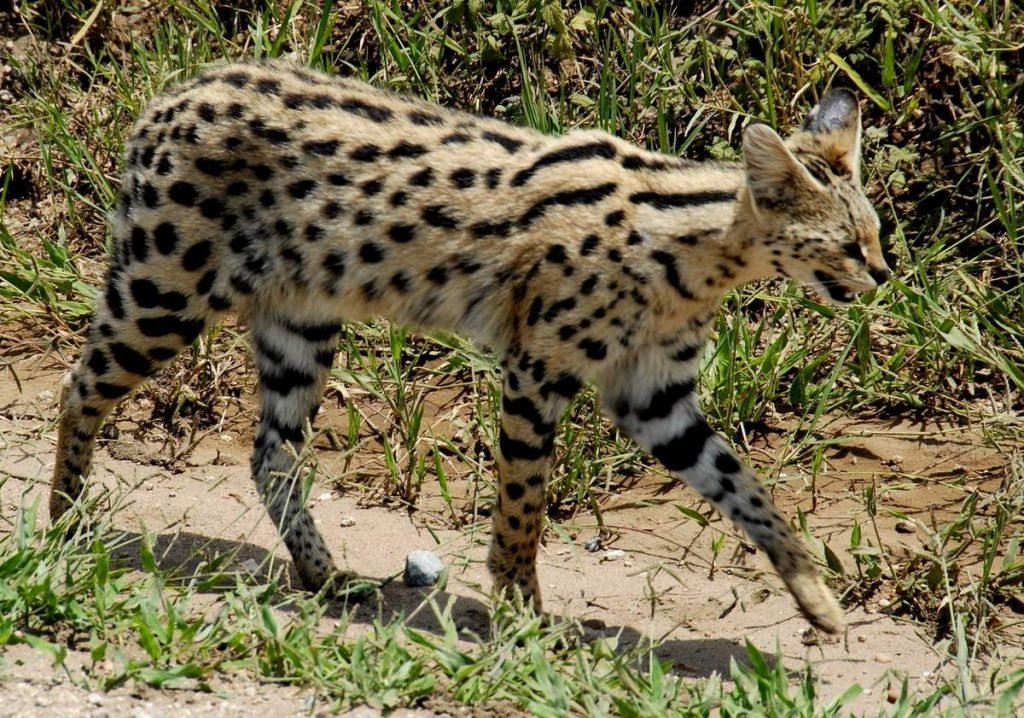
(836, 124)
(774, 176)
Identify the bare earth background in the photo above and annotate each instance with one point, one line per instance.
(660, 586)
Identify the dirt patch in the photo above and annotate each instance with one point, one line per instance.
(656, 577)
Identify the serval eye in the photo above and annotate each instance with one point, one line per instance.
(853, 251)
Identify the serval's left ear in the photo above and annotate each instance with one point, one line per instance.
(836, 122)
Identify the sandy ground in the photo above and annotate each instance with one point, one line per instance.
(652, 579)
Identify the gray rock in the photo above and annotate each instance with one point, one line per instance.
(423, 568)
(593, 545)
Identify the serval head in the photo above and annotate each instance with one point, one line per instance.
(819, 226)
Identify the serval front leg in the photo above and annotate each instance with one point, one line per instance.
(531, 404)
(656, 404)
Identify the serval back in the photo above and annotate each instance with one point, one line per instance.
(300, 201)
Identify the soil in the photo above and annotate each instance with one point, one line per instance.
(655, 577)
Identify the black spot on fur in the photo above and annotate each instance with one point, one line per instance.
(665, 400)
(683, 451)
(491, 229)
(423, 178)
(516, 450)
(510, 144)
(666, 201)
(323, 148)
(456, 138)
(139, 243)
(595, 349)
(534, 313)
(150, 195)
(668, 261)
(406, 150)
(438, 275)
(166, 237)
(211, 208)
(566, 385)
(161, 354)
(313, 232)
(514, 491)
(371, 253)
(402, 233)
(463, 178)
(98, 362)
(111, 391)
(727, 463)
(145, 293)
(376, 113)
(577, 153)
(424, 119)
(187, 329)
(437, 216)
(183, 193)
(273, 135)
(240, 284)
(400, 281)
(205, 283)
(235, 79)
(365, 153)
(131, 360)
(210, 166)
(206, 112)
(301, 189)
(556, 254)
(566, 198)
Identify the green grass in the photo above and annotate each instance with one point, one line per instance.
(944, 162)
(59, 595)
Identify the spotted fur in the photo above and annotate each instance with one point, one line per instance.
(299, 202)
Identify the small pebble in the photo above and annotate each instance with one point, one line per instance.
(325, 496)
(892, 696)
(905, 527)
(593, 545)
(613, 555)
(95, 698)
(422, 568)
(346, 521)
(45, 397)
(883, 658)
(250, 565)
